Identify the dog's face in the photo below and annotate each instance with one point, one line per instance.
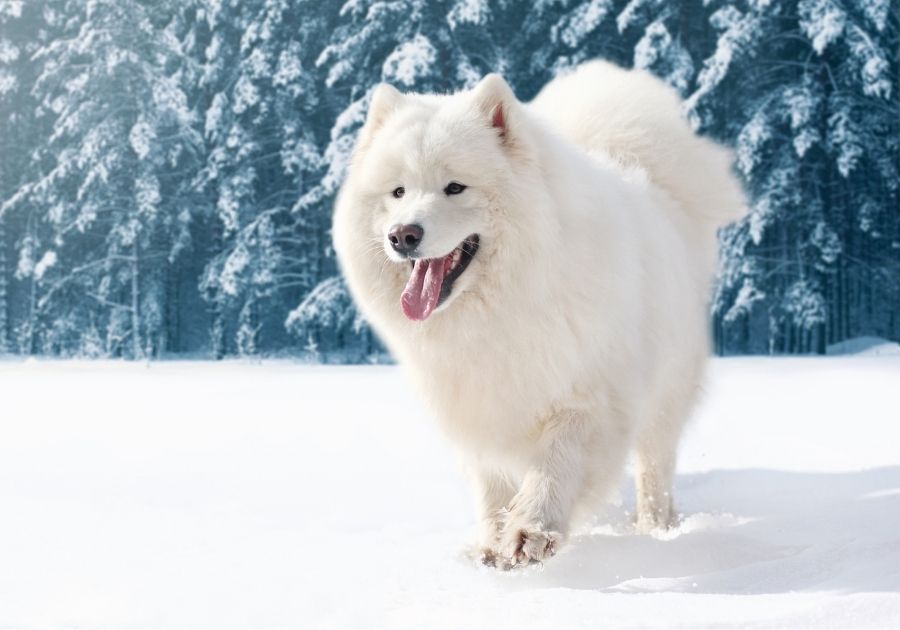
(429, 176)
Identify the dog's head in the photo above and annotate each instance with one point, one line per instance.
(427, 192)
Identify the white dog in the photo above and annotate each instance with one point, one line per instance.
(541, 270)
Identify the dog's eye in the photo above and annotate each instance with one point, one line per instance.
(398, 192)
(454, 188)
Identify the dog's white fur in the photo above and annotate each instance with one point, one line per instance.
(579, 330)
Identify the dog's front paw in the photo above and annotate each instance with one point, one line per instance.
(521, 546)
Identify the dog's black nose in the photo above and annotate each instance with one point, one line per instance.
(405, 238)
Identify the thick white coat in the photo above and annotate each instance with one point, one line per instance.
(579, 330)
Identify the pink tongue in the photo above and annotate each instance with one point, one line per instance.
(423, 289)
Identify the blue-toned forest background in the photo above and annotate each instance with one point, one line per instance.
(167, 168)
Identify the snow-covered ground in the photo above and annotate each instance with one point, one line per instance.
(273, 494)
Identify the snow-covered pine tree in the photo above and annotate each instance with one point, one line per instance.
(4, 294)
(330, 323)
(262, 109)
(108, 174)
(10, 55)
(669, 32)
(859, 42)
(792, 82)
(24, 28)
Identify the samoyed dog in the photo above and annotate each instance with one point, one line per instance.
(542, 271)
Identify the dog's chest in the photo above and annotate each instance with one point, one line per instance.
(484, 403)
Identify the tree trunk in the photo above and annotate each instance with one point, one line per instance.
(32, 304)
(4, 306)
(171, 325)
(217, 334)
(135, 303)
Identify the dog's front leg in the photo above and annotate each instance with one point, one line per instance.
(493, 491)
(537, 519)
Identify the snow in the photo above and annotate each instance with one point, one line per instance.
(410, 61)
(737, 33)
(245, 95)
(8, 82)
(147, 195)
(631, 14)
(468, 12)
(651, 46)
(844, 134)
(573, 28)
(877, 11)
(806, 304)
(140, 138)
(46, 261)
(327, 306)
(9, 52)
(656, 50)
(241, 494)
(290, 68)
(803, 103)
(822, 21)
(750, 141)
(866, 346)
(11, 8)
(747, 296)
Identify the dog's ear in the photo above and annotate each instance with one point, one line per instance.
(385, 100)
(496, 103)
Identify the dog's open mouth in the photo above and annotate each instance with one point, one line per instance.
(431, 280)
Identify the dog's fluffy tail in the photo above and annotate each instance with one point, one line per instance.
(636, 119)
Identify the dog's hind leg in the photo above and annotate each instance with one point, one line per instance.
(656, 451)
(653, 476)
